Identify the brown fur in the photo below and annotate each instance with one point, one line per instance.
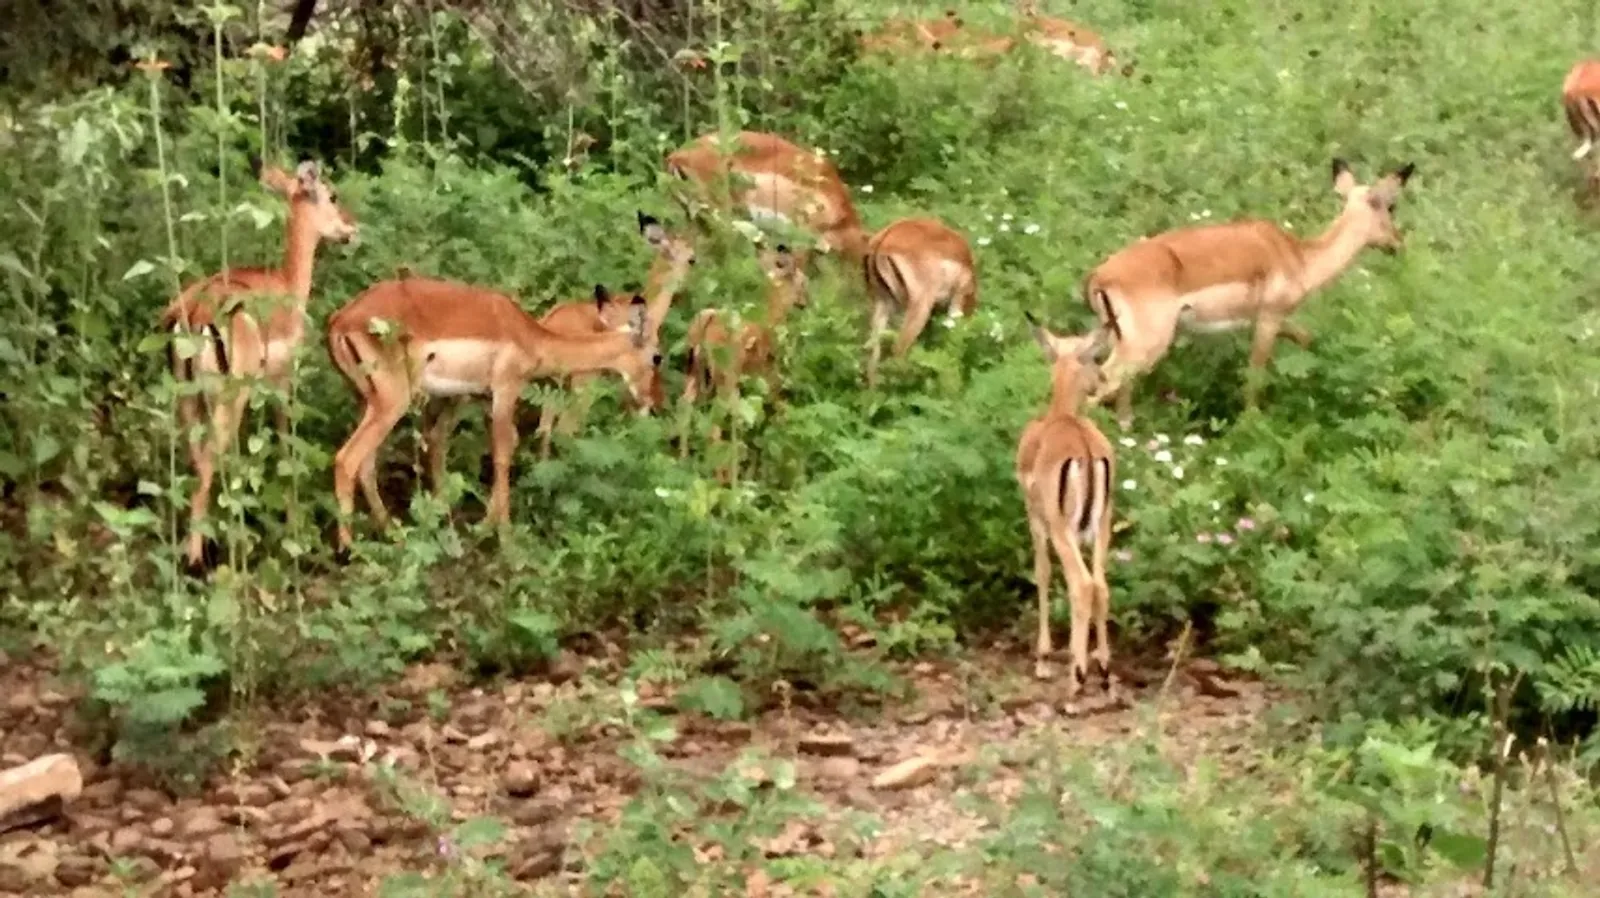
(1243, 273)
(915, 264)
(674, 257)
(509, 348)
(801, 185)
(1067, 471)
(1580, 98)
(250, 322)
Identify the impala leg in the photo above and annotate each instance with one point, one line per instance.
(227, 408)
(1080, 591)
(1296, 334)
(1266, 336)
(1102, 589)
(503, 437)
(357, 458)
(875, 329)
(191, 410)
(1041, 579)
(439, 421)
(911, 327)
(578, 386)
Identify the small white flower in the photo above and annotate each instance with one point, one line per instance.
(1121, 105)
(1162, 439)
(1030, 228)
(1205, 213)
(1309, 497)
(983, 241)
(1193, 439)
(1004, 226)
(1006, 217)
(949, 323)
(988, 216)
(866, 188)
(1164, 456)
(662, 492)
(1129, 485)
(1177, 472)
(1222, 462)
(1129, 442)
(1215, 505)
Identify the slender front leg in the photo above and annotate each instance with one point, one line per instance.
(1102, 589)
(503, 436)
(439, 421)
(1266, 335)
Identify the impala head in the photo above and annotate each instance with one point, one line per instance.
(676, 252)
(1372, 206)
(1074, 361)
(786, 269)
(309, 195)
(640, 366)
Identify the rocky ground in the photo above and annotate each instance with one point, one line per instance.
(331, 799)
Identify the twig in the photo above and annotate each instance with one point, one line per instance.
(1503, 742)
(1555, 799)
(1370, 849)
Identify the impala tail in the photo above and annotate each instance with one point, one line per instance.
(1099, 300)
(1583, 116)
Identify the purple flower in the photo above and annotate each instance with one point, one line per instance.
(1225, 539)
(446, 848)
(1247, 524)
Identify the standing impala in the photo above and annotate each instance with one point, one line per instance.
(247, 322)
(674, 257)
(772, 179)
(915, 264)
(1580, 96)
(447, 341)
(1066, 467)
(720, 355)
(1226, 276)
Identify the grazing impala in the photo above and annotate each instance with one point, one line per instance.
(1580, 95)
(1066, 468)
(772, 179)
(447, 341)
(1067, 40)
(719, 355)
(247, 322)
(915, 264)
(674, 256)
(1226, 276)
(900, 35)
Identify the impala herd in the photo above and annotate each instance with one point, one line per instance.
(443, 341)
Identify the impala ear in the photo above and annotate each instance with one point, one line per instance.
(1042, 336)
(636, 325)
(1344, 180)
(638, 299)
(654, 234)
(1404, 173)
(601, 296)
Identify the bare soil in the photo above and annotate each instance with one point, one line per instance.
(307, 807)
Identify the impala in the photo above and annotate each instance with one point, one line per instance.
(1580, 96)
(915, 264)
(674, 257)
(448, 341)
(1067, 40)
(1220, 277)
(247, 323)
(721, 351)
(773, 180)
(1066, 467)
(901, 35)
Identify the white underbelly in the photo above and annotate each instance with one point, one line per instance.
(1225, 307)
(457, 367)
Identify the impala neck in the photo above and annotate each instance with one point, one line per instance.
(553, 353)
(1327, 255)
(850, 241)
(299, 254)
(1067, 392)
(780, 302)
(660, 286)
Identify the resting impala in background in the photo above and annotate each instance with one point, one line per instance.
(1580, 96)
(720, 355)
(249, 323)
(770, 179)
(1067, 40)
(1226, 276)
(447, 341)
(915, 264)
(674, 257)
(1066, 467)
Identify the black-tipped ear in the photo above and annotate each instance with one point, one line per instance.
(1031, 320)
(1404, 172)
(1340, 167)
(645, 221)
(601, 294)
(638, 299)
